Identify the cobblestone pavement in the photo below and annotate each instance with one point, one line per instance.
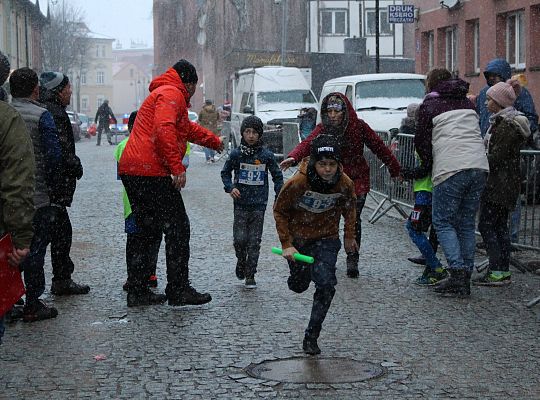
(432, 347)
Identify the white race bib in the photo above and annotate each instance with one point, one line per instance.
(251, 174)
(318, 202)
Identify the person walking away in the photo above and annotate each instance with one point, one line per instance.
(209, 118)
(104, 115)
(55, 94)
(507, 132)
(250, 162)
(152, 172)
(419, 220)
(449, 143)
(24, 87)
(307, 213)
(340, 120)
(17, 180)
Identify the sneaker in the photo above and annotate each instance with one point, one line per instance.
(352, 265)
(68, 286)
(38, 312)
(239, 271)
(250, 283)
(146, 298)
(189, 296)
(417, 260)
(431, 277)
(309, 345)
(494, 278)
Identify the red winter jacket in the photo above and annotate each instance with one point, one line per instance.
(357, 134)
(162, 129)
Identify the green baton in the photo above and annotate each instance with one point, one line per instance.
(296, 256)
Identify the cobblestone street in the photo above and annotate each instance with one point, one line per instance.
(432, 347)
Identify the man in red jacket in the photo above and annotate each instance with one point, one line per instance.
(152, 172)
(340, 120)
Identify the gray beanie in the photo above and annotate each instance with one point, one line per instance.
(54, 81)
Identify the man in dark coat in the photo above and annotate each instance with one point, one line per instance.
(103, 115)
(55, 94)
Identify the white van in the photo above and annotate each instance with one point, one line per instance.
(381, 100)
(274, 94)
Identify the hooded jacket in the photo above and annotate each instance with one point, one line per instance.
(70, 169)
(103, 114)
(355, 135)
(448, 135)
(304, 214)
(162, 129)
(524, 101)
(209, 118)
(508, 131)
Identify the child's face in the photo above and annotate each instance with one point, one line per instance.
(251, 136)
(326, 168)
(492, 106)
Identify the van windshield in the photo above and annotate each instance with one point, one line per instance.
(287, 96)
(391, 88)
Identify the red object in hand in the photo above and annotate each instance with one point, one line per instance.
(92, 129)
(11, 284)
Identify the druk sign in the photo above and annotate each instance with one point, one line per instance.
(400, 14)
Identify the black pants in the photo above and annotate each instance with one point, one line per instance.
(493, 226)
(158, 208)
(247, 233)
(352, 258)
(103, 127)
(61, 238)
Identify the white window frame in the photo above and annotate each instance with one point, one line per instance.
(518, 44)
(334, 11)
(476, 48)
(451, 48)
(431, 49)
(83, 78)
(100, 78)
(84, 103)
(99, 100)
(383, 18)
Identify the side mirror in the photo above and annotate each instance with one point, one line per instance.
(248, 110)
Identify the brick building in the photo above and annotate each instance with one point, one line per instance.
(464, 35)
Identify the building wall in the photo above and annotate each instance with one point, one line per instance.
(130, 87)
(492, 17)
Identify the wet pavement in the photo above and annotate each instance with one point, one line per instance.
(430, 347)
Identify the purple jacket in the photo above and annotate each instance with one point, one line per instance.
(446, 96)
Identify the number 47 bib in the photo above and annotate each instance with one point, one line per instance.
(251, 174)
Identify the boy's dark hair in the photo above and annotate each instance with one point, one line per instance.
(22, 82)
(131, 120)
(436, 75)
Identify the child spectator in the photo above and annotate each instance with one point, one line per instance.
(249, 190)
(507, 131)
(307, 214)
(420, 219)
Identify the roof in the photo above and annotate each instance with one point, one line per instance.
(374, 77)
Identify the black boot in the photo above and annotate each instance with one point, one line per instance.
(189, 296)
(67, 287)
(310, 346)
(352, 265)
(146, 298)
(458, 282)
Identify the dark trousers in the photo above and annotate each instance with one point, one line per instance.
(154, 243)
(493, 226)
(103, 127)
(34, 275)
(322, 272)
(247, 233)
(61, 239)
(352, 258)
(158, 208)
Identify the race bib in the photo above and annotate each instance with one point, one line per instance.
(251, 174)
(318, 202)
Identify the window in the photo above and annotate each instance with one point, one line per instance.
(97, 51)
(100, 77)
(476, 41)
(431, 50)
(451, 49)
(390, 88)
(84, 103)
(334, 22)
(515, 40)
(83, 78)
(265, 99)
(99, 100)
(131, 72)
(385, 29)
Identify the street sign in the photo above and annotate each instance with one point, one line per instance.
(400, 14)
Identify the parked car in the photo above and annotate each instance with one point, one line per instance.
(75, 125)
(85, 123)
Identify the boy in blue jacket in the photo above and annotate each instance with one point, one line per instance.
(251, 163)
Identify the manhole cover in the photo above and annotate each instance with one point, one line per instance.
(315, 370)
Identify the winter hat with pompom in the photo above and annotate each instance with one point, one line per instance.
(505, 93)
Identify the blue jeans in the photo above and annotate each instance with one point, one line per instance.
(515, 221)
(455, 203)
(424, 245)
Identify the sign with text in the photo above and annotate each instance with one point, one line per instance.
(400, 14)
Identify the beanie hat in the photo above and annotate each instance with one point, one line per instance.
(186, 71)
(252, 122)
(4, 68)
(54, 81)
(505, 93)
(325, 146)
